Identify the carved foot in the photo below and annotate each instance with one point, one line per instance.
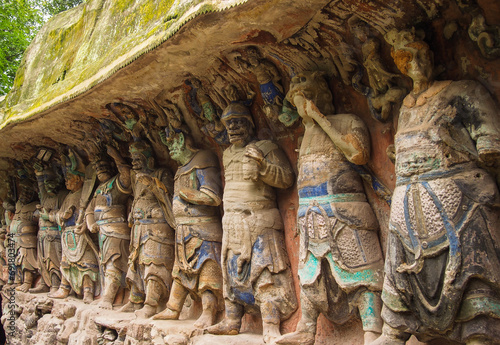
(23, 287)
(167, 314)
(88, 297)
(60, 293)
(386, 340)
(105, 305)
(270, 332)
(145, 312)
(371, 337)
(206, 319)
(130, 307)
(225, 327)
(296, 338)
(40, 288)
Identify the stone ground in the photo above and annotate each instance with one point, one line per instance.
(41, 320)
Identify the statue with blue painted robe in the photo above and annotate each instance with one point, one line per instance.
(340, 259)
(49, 236)
(255, 264)
(79, 263)
(106, 214)
(442, 271)
(197, 196)
(24, 229)
(152, 237)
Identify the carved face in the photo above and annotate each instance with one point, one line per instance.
(176, 147)
(26, 195)
(139, 161)
(103, 171)
(313, 86)
(238, 130)
(420, 68)
(73, 182)
(51, 186)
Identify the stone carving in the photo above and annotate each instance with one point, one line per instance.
(269, 79)
(197, 195)
(254, 261)
(49, 237)
(200, 103)
(8, 272)
(152, 239)
(381, 93)
(442, 266)
(79, 263)
(340, 258)
(107, 215)
(486, 37)
(24, 230)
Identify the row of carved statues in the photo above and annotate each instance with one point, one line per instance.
(164, 237)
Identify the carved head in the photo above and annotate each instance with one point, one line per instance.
(74, 170)
(253, 55)
(27, 192)
(239, 124)
(313, 86)
(104, 169)
(142, 156)
(180, 145)
(411, 54)
(51, 180)
(125, 113)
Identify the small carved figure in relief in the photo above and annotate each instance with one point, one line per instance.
(382, 93)
(340, 259)
(23, 229)
(204, 108)
(197, 195)
(442, 271)
(487, 37)
(79, 264)
(255, 264)
(269, 79)
(10, 210)
(134, 124)
(107, 215)
(49, 237)
(152, 238)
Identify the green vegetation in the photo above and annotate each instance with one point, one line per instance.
(20, 20)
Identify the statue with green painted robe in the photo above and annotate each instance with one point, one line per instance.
(340, 258)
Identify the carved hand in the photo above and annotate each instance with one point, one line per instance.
(68, 213)
(254, 152)
(80, 229)
(145, 179)
(94, 228)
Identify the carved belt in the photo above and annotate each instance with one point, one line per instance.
(150, 221)
(52, 232)
(436, 174)
(110, 221)
(195, 220)
(345, 197)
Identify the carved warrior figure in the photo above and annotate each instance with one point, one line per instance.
(200, 103)
(442, 266)
(197, 195)
(49, 237)
(107, 215)
(340, 260)
(79, 265)
(24, 230)
(382, 93)
(152, 239)
(254, 260)
(269, 79)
